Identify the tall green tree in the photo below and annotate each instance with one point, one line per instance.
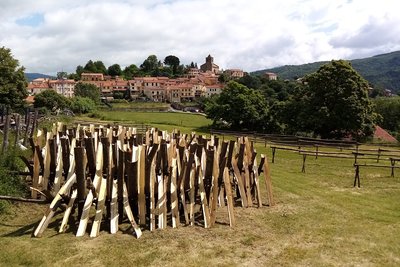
(131, 71)
(12, 81)
(100, 67)
(88, 90)
(173, 62)
(242, 108)
(389, 109)
(79, 70)
(93, 67)
(336, 102)
(114, 70)
(150, 65)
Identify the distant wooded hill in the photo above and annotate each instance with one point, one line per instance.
(32, 76)
(381, 71)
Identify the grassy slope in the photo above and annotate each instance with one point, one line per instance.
(319, 220)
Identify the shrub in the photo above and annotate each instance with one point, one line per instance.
(82, 105)
(10, 184)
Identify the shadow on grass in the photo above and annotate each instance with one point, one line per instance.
(27, 230)
(24, 230)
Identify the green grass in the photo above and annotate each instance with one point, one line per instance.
(140, 105)
(319, 220)
(186, 122)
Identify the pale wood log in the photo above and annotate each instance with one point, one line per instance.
(247, 181)
(215, 188)
(229, 198)
(152, 192)
(129, 214)
(53, 207)
(191, 194)
(100, 208)
(59, 172)
(239, 180)
(114, 208)
(89, 198)
(203, 196)
(141, 185)
(257, 183)
(174, 195)
(268, 182)
(67, 212)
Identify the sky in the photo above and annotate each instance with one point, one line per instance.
(48, 36)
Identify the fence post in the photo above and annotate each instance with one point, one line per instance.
(5, 132)
(17, 127)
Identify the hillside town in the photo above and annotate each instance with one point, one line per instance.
(197, 82)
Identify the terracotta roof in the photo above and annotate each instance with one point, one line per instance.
(384, 135)
(30, 99)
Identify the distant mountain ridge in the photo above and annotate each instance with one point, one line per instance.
(32, 76)
(380, 71)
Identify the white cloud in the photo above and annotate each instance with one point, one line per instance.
(243, 34)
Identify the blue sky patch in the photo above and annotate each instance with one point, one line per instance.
(33, 20)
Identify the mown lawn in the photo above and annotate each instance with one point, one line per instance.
(186, 122)
(319, 220)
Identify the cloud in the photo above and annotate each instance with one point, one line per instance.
(239, 34)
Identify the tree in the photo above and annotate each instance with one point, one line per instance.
(173, 62)
(250, 81)
(131, 71)
(150, 64)
(389, 109)
(100, 67)
(94, 67)
(88, 90)
(51, 100)
(90, 67)
(82, 105)
(114, 70)
(240, 107)
(337, 103)
(12, 81)
(62, 75)
(79, 70)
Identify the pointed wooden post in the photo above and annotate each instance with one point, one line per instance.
(268, 182)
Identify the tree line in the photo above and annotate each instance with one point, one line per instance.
(151, 66)
(332, 102)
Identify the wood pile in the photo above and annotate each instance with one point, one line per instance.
(153, 180)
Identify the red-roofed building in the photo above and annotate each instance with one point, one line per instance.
(383, 135)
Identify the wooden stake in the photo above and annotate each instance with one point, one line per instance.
(228, 190)
(129, 213)
(239, 180)
(53, 207)
(141, 185)
(89, 199)
(268, 182)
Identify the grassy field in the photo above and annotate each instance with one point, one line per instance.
(319, 220)
(140, 105)
(186, 122)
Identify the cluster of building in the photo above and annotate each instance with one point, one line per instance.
(196, 83)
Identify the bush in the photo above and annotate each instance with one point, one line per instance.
(10, 184)
(82, 105)
(51, 100)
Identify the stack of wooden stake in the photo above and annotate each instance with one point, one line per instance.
(154, 179)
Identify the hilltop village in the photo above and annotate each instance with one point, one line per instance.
(197, 82)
